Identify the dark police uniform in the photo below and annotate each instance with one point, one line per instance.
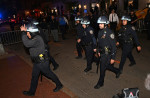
(107, 50)
(41, 62)
(45, 38)
(127, 37)
(79, 30)
(89, 43)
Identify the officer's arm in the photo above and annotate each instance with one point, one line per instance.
(93, 38)
(135, 37)
(113, 45)
(28, 42)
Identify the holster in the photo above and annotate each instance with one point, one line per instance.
(106, 50)
(40, 58)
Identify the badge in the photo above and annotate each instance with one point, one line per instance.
(91, 31)
(112, 36)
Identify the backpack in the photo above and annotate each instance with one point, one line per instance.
(128, 93)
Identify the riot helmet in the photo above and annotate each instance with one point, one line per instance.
(32, 28)
(126, 17)
(85, 21)
(103, 20)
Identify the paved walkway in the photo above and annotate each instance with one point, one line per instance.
(15, 75)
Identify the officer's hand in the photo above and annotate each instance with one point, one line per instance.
(23, 28)
(79, 40)
(112, 61)
(99, 54)
(139, 48)
(117, 44)
(94, 50)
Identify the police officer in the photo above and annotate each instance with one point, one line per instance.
(106, 50)
(45, 38)
(79, 30)
(89, 42)
(38, 54)
(126, 38)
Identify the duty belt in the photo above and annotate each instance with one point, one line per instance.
(87, 44)
(105, 50)
(40, 58)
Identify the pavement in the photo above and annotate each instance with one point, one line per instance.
(80, 84)
(15, 76)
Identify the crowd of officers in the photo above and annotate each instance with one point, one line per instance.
(105, 45)
(102, 41)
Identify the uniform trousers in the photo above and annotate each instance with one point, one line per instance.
(79, 49)
(126, 53)
(105, 65)
(45, 69)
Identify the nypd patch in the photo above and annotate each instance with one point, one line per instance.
(112, 36)
(91, 31)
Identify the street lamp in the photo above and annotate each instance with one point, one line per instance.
(79, 6)
(85, 7)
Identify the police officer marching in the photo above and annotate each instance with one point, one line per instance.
(106, 50)
(39, 57)
(127, 38)
(46, 39)
(79, 31)
(89, 43)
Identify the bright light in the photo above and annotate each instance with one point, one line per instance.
(52, 11)
(41, 12)
(0, 15)
(97, 5)
(85, 7)
(79, 6)
(56, 10)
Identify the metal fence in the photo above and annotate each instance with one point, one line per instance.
(13, 37)
(141, 26)
(10, 37)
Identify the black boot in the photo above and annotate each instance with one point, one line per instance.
(118, 74)
(87, 69)
(132, 64)
(97, 86)
(55, 67)
(58, 88)
(27, 93)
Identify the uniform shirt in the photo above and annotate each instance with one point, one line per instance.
(36, 45)
(113, 18)
(126, 33)
(106, 38)
(79, 30)
(87, 36)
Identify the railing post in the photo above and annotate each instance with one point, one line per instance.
(2, 51)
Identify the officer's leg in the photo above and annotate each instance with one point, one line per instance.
(123, 57)
(110, 67)
(49, 74)
(103, 65)
(89, 58)
(79, 50)
(35, 77)
(53, 62)
(131, 58)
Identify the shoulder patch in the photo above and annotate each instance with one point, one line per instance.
(112, 36)
(91, 31)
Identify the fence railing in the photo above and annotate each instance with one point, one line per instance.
(141, 25)
(13, 37)
(10, 37)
